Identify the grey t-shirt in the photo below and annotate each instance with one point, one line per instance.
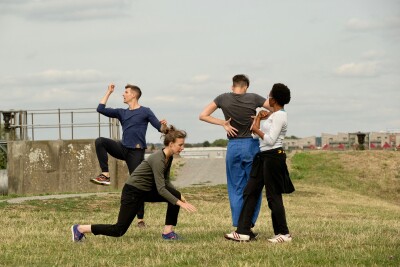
(154, 172)
(240, 107)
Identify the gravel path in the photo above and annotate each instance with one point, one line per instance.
(22, 199)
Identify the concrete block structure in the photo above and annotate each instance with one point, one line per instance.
(40, 167)
(204, 152)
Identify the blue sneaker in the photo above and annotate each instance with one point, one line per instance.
(171, 236)
(76, 235)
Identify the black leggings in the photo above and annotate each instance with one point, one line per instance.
(132, 157)
(251, 195)
(132, 199)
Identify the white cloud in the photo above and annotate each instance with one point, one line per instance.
(52, 88)
(201, 78)
(66, 10)
(392, 22)
(373, 54)
(66, 76)
(53, 76)
(364, 69)
(359, 24)
(169, 99)
(53, 94)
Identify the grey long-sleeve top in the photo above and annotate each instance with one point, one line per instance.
(154, 172)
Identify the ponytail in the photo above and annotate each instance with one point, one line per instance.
(170, 134)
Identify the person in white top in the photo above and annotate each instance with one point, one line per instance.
(274, 129)
(269, 169)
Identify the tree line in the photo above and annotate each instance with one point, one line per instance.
(215, 143)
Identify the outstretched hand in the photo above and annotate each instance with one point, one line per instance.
(232, 131)
(187, 206)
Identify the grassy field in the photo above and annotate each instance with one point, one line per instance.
(345, 212)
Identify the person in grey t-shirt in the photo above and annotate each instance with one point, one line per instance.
(238, 108)
(150, 182)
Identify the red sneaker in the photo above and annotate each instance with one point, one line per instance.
(101, 179)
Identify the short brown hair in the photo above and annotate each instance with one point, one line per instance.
(136, 89)
(241, 80)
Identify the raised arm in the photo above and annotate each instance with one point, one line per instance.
(110, 90)
(255, 127)
(205, 115)
(109, 112)
(267, 106)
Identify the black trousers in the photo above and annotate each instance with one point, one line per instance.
(132, 199)
(251, 194)
(132, 157)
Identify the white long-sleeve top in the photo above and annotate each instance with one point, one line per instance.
(274, 129)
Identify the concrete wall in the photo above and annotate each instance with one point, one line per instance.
(40, 167)
(3, 182)
(204, 152)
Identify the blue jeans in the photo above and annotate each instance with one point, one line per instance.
(239, 158)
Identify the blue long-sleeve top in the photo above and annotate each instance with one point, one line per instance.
(134, 124)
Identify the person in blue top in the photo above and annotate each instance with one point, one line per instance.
(134, 121)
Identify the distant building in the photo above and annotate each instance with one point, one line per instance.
(337, 141)
(372, 140)
(300, 143)
(340, 141)
(383, 140)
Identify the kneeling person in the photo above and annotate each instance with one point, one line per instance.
(150, 182)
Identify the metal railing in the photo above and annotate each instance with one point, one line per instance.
(24, 125)
(3, 146)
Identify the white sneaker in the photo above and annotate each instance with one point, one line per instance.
(237, 237)
(281, 238)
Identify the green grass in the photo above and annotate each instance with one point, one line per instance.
(176, 166)
(336, 215)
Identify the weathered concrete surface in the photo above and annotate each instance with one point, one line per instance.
(3, 182)
(65, 166)
(22, 199)
(58, 166)
(200, 172)
(190, 172)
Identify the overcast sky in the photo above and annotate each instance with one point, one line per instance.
(341, 59)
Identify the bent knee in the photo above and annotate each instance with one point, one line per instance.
(120, 232)
(99, 140)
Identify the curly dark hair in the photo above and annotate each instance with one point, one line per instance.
(281, 93)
